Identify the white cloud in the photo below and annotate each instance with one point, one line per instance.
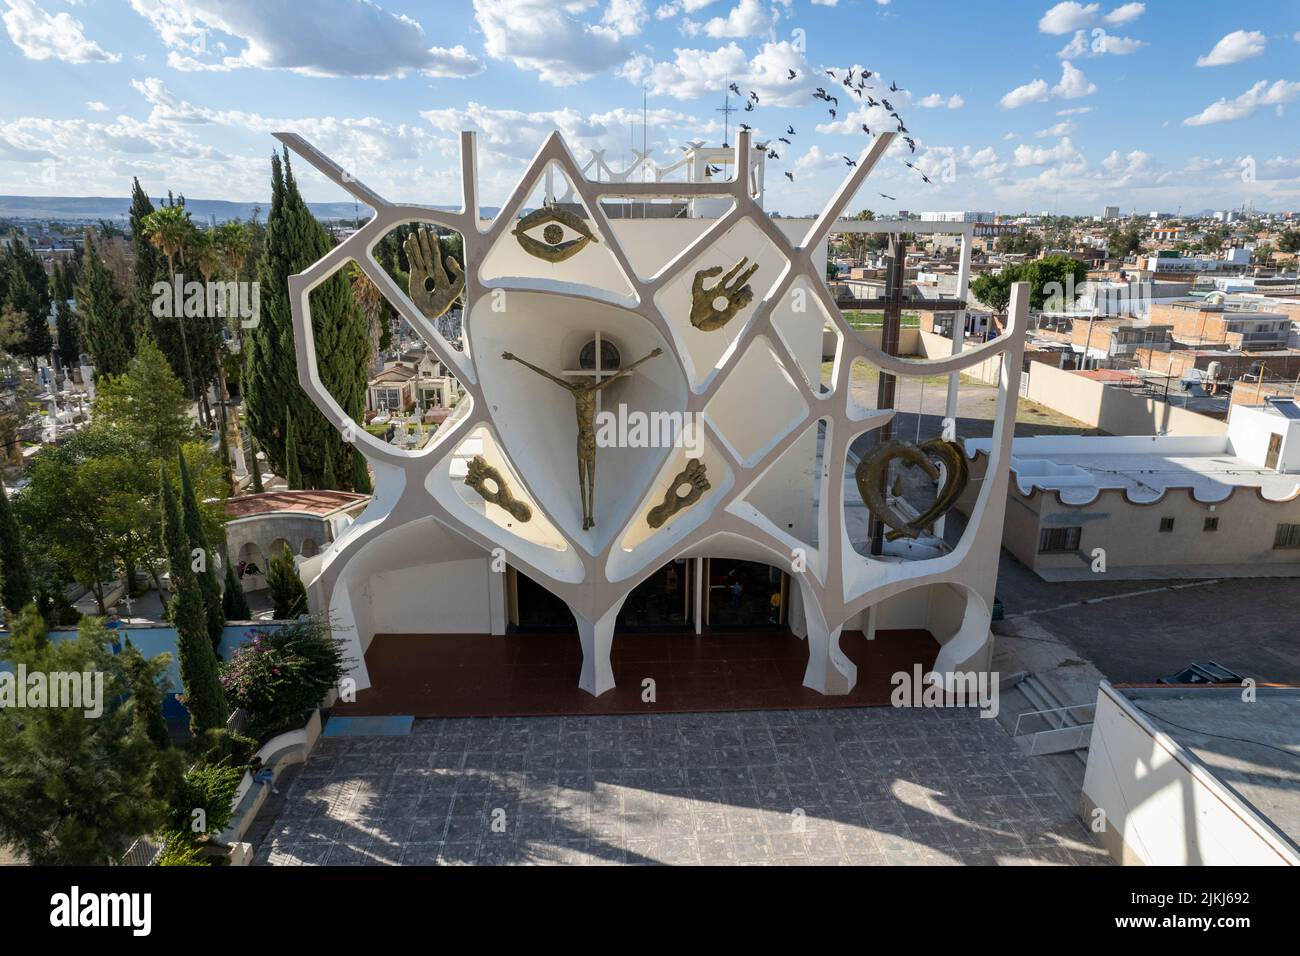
(747, 18)
(1261, 94)
(625, 17)
(694, 73)
(1064, 128)
(96, 106)
(327, 38)
(1233, 48)
(1063, 153)
(541, 37)
(41, 36)
(1033, 92)
(937, 100)
(1073, 84)
(1125, 13)
(1068, 16)
(1099, 44)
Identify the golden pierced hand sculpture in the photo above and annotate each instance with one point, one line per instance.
(694, 474)
(707, 318)
(477, 476)
(431, 289)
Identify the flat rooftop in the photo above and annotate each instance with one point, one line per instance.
(1081, 466)
(1252, 748)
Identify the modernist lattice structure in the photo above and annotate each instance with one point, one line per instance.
(424, 546)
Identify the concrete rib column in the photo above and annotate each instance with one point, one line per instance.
(829, 671)
(597, 638)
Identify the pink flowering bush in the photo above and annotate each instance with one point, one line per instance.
(282, 673)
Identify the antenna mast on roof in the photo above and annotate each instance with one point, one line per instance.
(726, 109)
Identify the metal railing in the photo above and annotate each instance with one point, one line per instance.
(1050, 710)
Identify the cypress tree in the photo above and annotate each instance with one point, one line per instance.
(16, 587)
(29, 294)
(209, 586)
(198, 662)
(287, 591)
(233, 601)
(223, 451)
(292, 470)
(105, 328)
(150, 267)
(294, 240)
(327, 479)
(255, 466)
(360, 474)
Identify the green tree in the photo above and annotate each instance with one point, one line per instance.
(287, 591)
(294, 240)
(198, 662)
(233, 601)
(170, 231)
(327, 480)
(360, 474)
(28, 294)
(1289, 241)
(209, 586)
(76, 791)
(105, 324)
(16, 586)
(292, 469)
(147, 401)
(147, 679)
(255, 466)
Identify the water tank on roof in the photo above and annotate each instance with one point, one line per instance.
(1213, 370)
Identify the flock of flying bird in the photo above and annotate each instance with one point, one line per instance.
(858, 88)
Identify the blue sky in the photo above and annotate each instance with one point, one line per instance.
(1013, 105)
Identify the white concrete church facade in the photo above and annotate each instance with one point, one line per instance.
(428, 553)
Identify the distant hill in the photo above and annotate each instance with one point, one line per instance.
(94, 208)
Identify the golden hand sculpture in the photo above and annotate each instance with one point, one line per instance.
(707, 318)
(695, 475)
(431, 289)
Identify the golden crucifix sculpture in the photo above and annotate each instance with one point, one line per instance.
(584, 391)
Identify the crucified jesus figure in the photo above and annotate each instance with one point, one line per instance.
(584, 399)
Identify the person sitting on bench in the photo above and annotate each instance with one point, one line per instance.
(262, 773)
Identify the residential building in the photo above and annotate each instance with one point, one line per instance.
(1213, 321)
(1157, 506)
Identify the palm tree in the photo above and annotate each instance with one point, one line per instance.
(170, 231)
(371, 302)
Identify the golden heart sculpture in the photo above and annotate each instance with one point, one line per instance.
(873, 468)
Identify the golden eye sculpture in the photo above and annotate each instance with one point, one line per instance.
(552, 247)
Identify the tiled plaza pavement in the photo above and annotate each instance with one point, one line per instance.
(847, 786)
